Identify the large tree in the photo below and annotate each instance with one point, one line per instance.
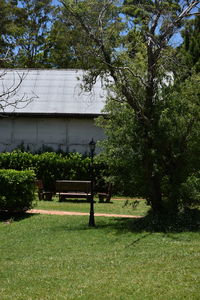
(61, 44)
(36, 19)
(130, 42)
(191, 43)
(9, 29)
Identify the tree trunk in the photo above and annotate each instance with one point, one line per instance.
(152, 182)
(152, 176)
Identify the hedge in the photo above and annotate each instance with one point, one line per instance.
(16, 190)
(51, 166)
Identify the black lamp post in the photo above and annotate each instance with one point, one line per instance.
(92, 145)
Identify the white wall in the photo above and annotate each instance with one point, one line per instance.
(67, 134)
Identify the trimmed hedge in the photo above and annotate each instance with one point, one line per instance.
(16, 190)
(51, 166)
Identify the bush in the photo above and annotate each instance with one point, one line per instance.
(190, 191)
(16, 190)
(17, 160)
(50, 167)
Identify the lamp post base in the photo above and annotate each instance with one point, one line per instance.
(91, 220)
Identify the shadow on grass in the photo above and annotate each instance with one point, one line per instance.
(187, 221)
(8, 217)
(74, 201)
(184, 222)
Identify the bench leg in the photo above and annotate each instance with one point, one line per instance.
(47, 196)
(40, 195)
(101, 198)
(108, 199)
(89, 198)
(61, 198)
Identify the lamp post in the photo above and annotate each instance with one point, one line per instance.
(92, 145)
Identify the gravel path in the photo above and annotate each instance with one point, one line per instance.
(73, 213)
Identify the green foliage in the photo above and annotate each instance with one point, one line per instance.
(121, 149)
(36, 20)
(48, 166)
(150, 135)
(179, 127)
(16, 190)
(191, 44)
(51, 167)
(17, 160)
(75, 15)
(61, 44)
(153, 138)
(190, 191)
(176, 139)
(9, 28)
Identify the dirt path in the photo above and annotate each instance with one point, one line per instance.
(73, 213)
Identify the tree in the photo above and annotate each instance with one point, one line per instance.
(35, 24)
(8, 29)
(178, 142)
(61, 46)
(130, 41)
(191, 43)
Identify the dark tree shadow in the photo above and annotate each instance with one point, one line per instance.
(183, 222)
(8, 217)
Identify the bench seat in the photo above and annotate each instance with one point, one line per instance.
(73, 189)
(79, 195)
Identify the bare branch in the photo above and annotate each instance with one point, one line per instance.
(8, 94)
(169, 31)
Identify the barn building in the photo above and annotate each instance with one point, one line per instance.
(53, 111)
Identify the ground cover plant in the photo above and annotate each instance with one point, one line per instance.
(60, 257)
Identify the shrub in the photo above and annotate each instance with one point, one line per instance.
(190, 191)
(51, 166)
(16, 190)
(17, 160)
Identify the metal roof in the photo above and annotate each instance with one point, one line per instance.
(52, 92)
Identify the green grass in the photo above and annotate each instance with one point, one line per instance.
(59, 257)
(124, 206)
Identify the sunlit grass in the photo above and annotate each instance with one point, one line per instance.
(60, 257)
(130, 206)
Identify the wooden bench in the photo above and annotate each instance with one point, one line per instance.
(73, 189)
(42, 193)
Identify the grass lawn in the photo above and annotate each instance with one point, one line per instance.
(59, 257)
(120, 206)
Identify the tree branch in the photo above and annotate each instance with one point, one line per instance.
(8, 94)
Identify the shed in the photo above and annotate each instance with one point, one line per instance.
(53, 111)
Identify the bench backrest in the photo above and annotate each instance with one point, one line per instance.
(64, 186)
(39, 184)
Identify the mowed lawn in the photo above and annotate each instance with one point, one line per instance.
(127, 206)
(59, 257)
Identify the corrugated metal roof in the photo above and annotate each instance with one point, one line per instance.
(53, 92)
